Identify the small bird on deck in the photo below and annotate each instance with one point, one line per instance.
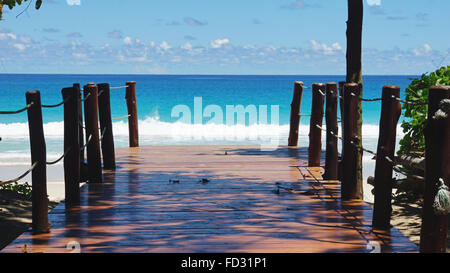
(226, 153)
(204, 181)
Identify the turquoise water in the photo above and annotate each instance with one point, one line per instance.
(157, 95)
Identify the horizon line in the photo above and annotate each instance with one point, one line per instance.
(142, 74)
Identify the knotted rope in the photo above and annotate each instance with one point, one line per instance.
(441, 203)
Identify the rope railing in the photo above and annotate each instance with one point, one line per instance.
(87, 143)
(363, 99)
(56, 105)
(119, 118)
(98, 112)
(3, 183)
(118, 87)
(85, 98)
(437, 191)
(17, 111)
(410, 102)
(61, 158)
(322, 93)
(373, 99)
(103, 134)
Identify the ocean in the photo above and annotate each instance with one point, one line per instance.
(159, 99)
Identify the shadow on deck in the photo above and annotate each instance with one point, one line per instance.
(139, 209)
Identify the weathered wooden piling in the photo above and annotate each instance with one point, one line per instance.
(92, 133)
(315, 133)
(341, 98)
(295, 114)
(341, 109)
(331, 158)
(83, 166)
(40, 222)
(349, 187)
(107, 142)
(390, 113)
(132, 114)
(71, 146)
(433, 238)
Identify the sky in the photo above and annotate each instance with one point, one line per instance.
(281, 37)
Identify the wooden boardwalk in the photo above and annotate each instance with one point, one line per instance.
(138, 209)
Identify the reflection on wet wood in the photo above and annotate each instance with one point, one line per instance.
(251, 201)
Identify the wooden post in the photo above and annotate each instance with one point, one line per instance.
(349, 187)
(331, 158)
(341, 98)
(92, 131)
(433, 237)
(104, 106)
(315, 133)
(341, 109)
(390, 113)
(40, 222)
(295, 114)
(71, 146)
(132, 112)
(83, 166)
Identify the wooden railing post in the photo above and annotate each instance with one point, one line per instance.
(341, 109)
(349, 185)
(104, 106)
(92, 133)
(295, 114)
(390, 113)
(331, 158)
(40, 222)
(315, 133)
(433, 237)
(71, 146)
(341, 98)
(83, 166)
(132, 114)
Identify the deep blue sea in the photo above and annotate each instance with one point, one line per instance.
(159, 95)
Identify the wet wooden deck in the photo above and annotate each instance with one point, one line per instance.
(138, 209)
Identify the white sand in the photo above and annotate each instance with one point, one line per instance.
(55, 179)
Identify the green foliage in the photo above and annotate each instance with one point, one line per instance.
(416, 115)
(24, 189)
(413, 143)
(12, 3)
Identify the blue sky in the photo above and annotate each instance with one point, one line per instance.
(221, 37)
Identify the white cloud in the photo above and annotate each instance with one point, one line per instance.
(164, 46)
(324, 48)
(5, 36)
(219, 43)
(20, 47)
(127, 41)
(422, 50)
(187, 46)
(336, 46)
(374, 2)
(73, 2)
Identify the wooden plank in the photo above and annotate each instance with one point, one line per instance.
(137, 209)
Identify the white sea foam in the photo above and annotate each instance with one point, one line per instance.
(153, 131)
(154, 127)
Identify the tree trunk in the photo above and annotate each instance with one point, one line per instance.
(354, 70)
